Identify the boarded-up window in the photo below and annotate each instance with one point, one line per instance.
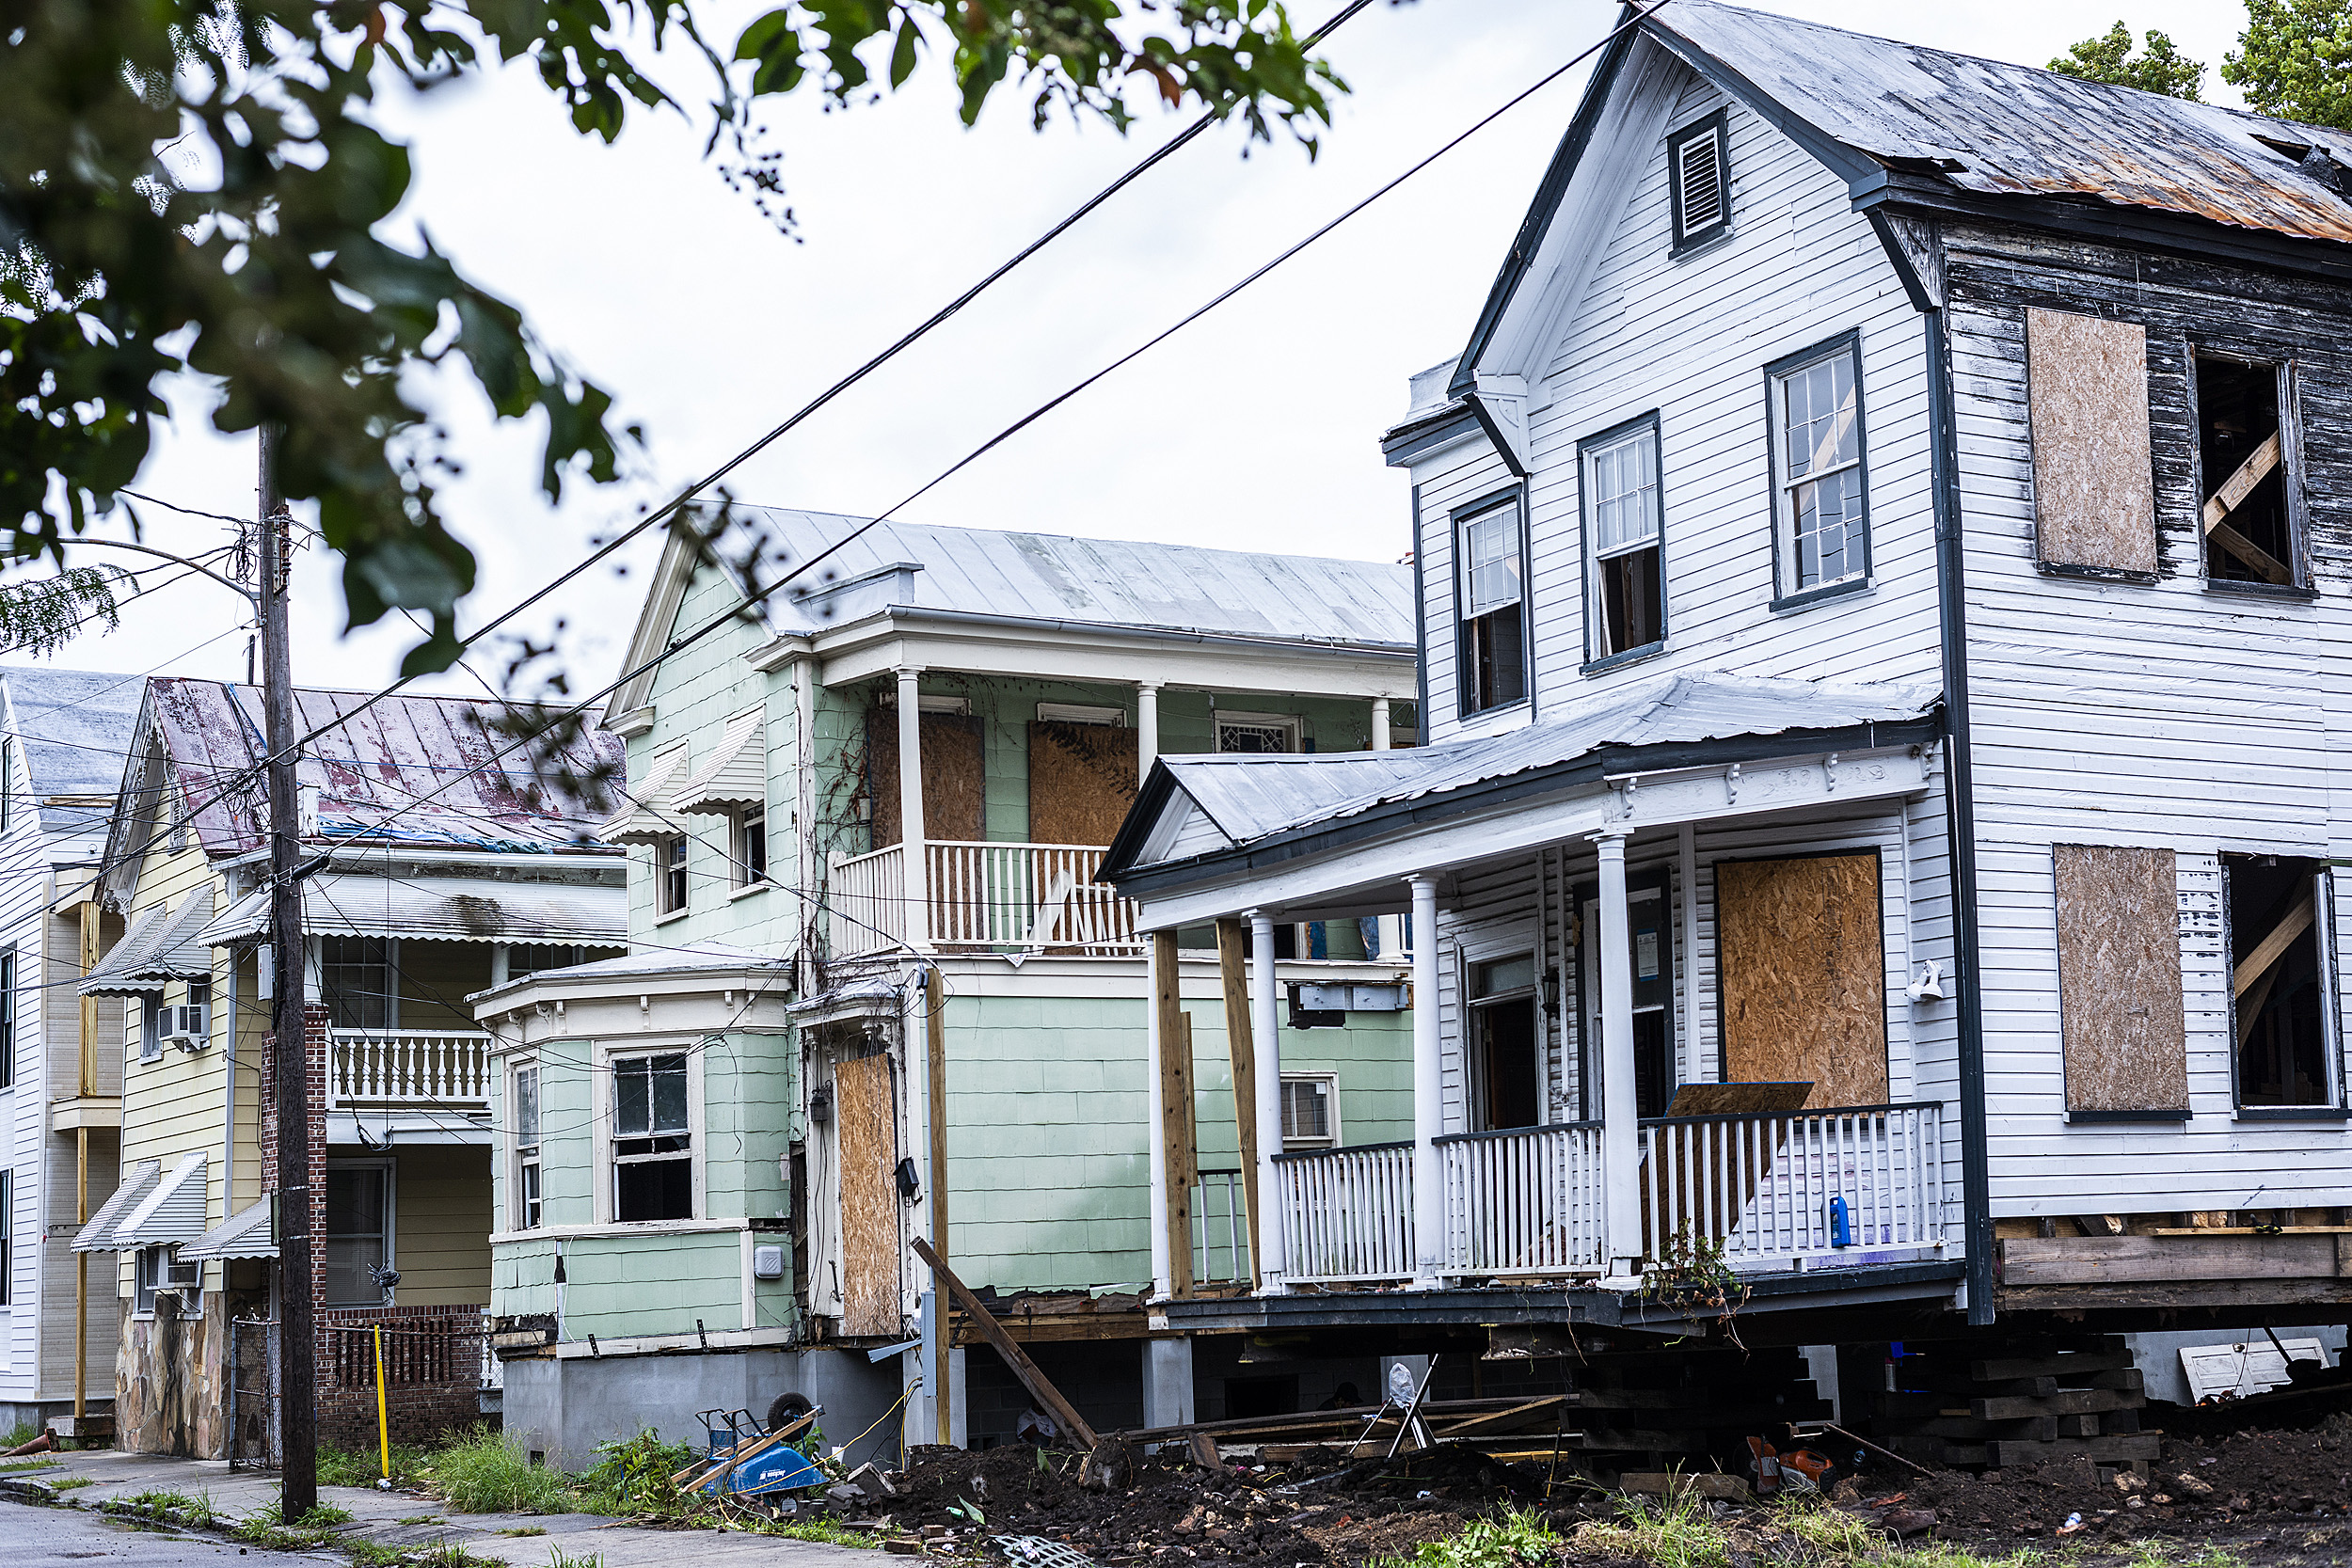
(1803, 975)
(1082, 780)
(869, 1199)
(955, 779)
(2093, 485)
(2118, 940)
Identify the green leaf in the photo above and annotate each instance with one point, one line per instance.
(902, 57)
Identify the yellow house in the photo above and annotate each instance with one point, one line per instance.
(429, 877)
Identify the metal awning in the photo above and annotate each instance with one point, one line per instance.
(439, 908)
(162, 945)
(243, 1234)
(641, 821)
(172, 1210)
(737, 774)
(129, 1193)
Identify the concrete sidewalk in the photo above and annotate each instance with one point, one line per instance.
(379, 1517)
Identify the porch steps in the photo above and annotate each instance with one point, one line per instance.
(2033, 1401)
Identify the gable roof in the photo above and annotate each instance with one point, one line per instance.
(1886, 116)
(74, 727)
(920, 571)
(1215, 803)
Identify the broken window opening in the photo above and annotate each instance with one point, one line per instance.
(1508, 1077)
(2247, 515)
(2278, 980)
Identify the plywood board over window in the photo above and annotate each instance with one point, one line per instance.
(869, 1146)
(1803, 974)
(2093, 481)
(955, 777)
(1082, 780)
(2118, 946)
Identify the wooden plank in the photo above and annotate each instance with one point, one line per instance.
(1241, 1046)
(2124, 1030)
(1494, 1419)
(1726, 1099)
(954, 776)
(2144, 1446)
(2093, 479)
(2267, 567)
(1803, 974)
(1176, 1113)
(868, 1141)
(2172, 1295)
(2097, 1260)
(2271, 948)
(2050, 1366)
(1016, 1359)
(1082, 780)
(2072, 1401)
(935, 1033)
(2241, 485)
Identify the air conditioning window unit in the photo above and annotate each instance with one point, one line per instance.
(188, 1026)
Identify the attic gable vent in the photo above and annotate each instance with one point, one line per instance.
(1698, 181)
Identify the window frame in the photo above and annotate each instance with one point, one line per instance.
(146, 1008)
(174, 1276)
(390, 1222)
(7, 795)
(8, 1233)
(527, 1199)
(1290, 723)
(1616, 435)
(333, 995)
(2299, 584)
(1718, 125)
(1459, 521)
(1847, 343)
(745, 840)
(664, 868)
(8, 1036)
(607, 1060)
(1331, 1082)
(2332, 1108)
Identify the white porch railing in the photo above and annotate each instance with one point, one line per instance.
(1766, 1191)
(1220, 1254)
(438, 1068)
(1523, 1201)
(1037, 896)
(1348, 1213)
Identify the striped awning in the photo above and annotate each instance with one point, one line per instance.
(642, 820)
(163, 946)
(440, 908)
(737, 774)
(129, 1193)
(153, 1209)
(243, 1234)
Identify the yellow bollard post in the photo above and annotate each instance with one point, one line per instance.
(383, 1425)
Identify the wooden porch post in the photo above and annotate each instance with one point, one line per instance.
(1248, 1118)
(1266, 1008)
(86, 1086)
(1620, 1111)
(1177, 1156)
(914, 863)
(1429, 1090)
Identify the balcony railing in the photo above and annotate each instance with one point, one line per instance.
(1842, 1185)
(389, 1068)
(1220, 1254)
(1034, 897)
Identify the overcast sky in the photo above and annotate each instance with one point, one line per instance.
(1256, 429)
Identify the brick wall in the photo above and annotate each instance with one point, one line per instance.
(431, 1372)
(315, 1027)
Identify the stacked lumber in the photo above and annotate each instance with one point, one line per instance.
(1693, 1400)
(1973, 1407)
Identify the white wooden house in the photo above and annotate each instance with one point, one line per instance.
(1883, 566)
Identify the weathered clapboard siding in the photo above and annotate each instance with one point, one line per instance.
(1455, 477)
(2160, 714)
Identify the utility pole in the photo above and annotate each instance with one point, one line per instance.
(297, 1337)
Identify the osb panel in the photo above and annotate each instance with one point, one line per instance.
(2094, 480)
(2119, 937)
(1082, 780)
(869, 1199)
(1803, 975)
(954, 776)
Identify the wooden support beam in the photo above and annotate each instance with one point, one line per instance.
(2241, 485)
(1177, 1126)
(2272, 947)
(2266, 566)
(936, 1031)
(1241, 1045)
(1040, 1388)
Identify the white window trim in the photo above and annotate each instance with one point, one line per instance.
(661, 879)
(1330, 1081)
(600, 1097)
(1786, 593)
(927, 704)
(390, 1168)
(738, 848)
(1644, 430)
(1081, 713)
(168, 1251)
(516, 1066)
(1287, 722)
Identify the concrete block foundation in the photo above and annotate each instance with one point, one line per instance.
(561, 1409)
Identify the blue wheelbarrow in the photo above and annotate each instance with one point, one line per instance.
(747, 1462)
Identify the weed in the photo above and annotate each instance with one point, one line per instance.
(421, 1519)
(449, 1554)
(18, 1436)
(367, 1554)
(488, 1472)
(324, 1516)
(72, 1483)
(12, 1466)
(559, 1557)
(634, 1477)
(2214, 1556)
(526, 1530)
(160, 1504)
(822, 1530)
(1509, 1541)
(365, 1466)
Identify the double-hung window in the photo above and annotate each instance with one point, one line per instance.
(1624, 555)
(751, 847)
(526, 1205)
(358, 1231)
(8, 1019)
(358, 976)
(670, 875)
(1820, 486)
(1310, 1110)
(1490, 544)
(653, 1149)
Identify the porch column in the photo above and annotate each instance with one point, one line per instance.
(1147, 728)
(1155, 1112)
(1265, 1025)
(914, 863)
(1428, 1089)
(1379, 723)
(1620, 1111)
(1391, 928)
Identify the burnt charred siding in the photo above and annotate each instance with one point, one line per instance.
(2159, 713)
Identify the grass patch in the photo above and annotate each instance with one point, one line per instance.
(367, 1554)
(822, 1530)
(72, 1483)
(449, 1554)
(421, 1519)
(559, 1557)
(633, 1477)
(365, 1466)
(18, 1436)
(526, 1530)
(1507, 1540)
(489, 1472)
(11, 1466)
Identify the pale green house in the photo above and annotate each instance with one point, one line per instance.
(718, 1149)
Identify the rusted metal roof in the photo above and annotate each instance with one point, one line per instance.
(2001, 129)
(411, 769)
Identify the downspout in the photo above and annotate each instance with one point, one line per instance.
(1961, 821)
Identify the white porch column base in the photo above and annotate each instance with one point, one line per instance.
(1429, 1090)
(916, 862)
(1265, 1025)
(1620, 1110)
